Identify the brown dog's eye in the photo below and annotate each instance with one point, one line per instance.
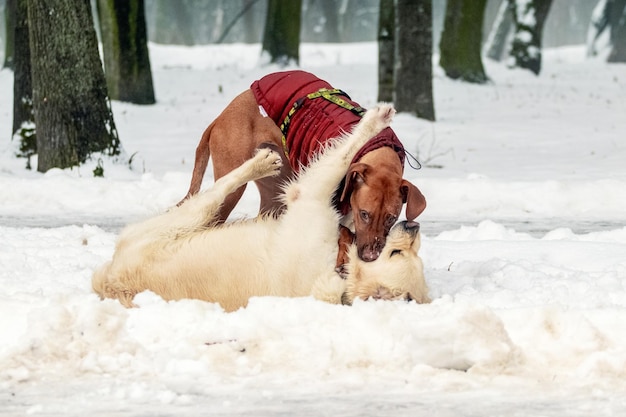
(365, 216)
(389, 221)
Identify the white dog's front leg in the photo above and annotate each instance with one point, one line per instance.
(320, 179)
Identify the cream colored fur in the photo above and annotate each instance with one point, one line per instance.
(176, 256)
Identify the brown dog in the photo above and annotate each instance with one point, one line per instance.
(309, 112)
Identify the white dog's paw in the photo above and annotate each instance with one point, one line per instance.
(379, 117)
(267, 162)
(329, 288)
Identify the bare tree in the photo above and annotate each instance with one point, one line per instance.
(618, 32)
(281, 38)
(23, 117)
(529, 17)
(72, 112)
(413, 91)
(461, 40)
(10, 33)
(608, 15)
(125, 47)
(386, 49)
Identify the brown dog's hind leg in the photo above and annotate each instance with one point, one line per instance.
(270, 189)
(229, 204)
(199, 167)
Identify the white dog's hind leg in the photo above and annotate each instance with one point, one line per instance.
(201, 209)
(320, 179)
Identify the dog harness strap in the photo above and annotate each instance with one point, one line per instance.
(331, 95)
(284, 126)
(325, 93)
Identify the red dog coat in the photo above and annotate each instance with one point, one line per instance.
(313, 120)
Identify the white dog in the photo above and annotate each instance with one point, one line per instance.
(176, 254)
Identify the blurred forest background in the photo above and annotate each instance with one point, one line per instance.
(198, 22)
(62, 86)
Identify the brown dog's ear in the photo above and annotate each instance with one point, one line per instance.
(414, 199)
(354, 177)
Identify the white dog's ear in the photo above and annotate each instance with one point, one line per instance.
(354, 178)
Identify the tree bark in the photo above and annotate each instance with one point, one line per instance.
(252, 28)
(125, 47)
(331, 25)
(23, 117)
(173, 23)
(529, 17)
(461, 40)
(413, 69)
(618, 31)
(9, 43)
(72, 112)
(386, 50)
(281, 38)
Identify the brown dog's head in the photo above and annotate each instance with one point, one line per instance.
(376, 195)
(398, 274)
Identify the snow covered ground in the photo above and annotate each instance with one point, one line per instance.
(523, 240)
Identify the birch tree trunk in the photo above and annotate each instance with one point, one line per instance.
(496, 43)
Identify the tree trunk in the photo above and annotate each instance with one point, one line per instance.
(281, 38)
(9, 43)
(72, 112)
(495, 46)
(125, 47)
(173, 23)
(386, 50)
(618, 31)
(331, 24)
(23, 118)
(461, 40)
(529, 17)
(413, 69)
(252, 32)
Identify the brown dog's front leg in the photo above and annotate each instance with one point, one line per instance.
(346, 239)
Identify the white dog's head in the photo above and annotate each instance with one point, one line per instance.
(397, 274)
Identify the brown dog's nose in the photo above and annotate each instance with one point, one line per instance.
(372, 251)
